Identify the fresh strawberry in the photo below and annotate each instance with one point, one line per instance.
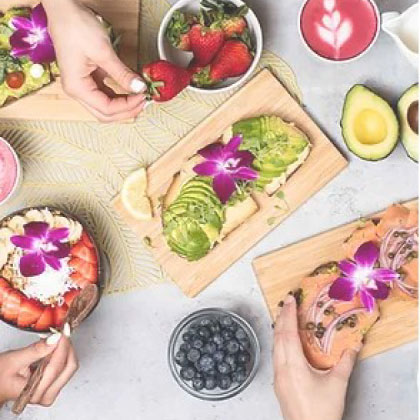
(30, 312)
(11, 305)
(86, 240)
(206, 42)
(77, 263)
(90, 273)
(165, 80)
(60, 313)
(234, 26)
(81, 251)
(177, 32)
(46, 320)
(4, 290)
(70, 295)
(79, 279)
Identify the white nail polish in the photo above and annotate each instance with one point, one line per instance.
(67, 330)
(137, 85)
(52, 340)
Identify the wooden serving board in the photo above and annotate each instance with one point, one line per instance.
(262, 95)
(283, 270)
(51, 103)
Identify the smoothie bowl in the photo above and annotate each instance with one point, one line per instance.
(46, 258)
(10, 171)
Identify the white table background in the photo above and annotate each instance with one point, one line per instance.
(122, 346)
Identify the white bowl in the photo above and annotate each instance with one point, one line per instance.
(183, 58)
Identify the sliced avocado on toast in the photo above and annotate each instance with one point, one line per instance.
(408, 110)
(369, 125)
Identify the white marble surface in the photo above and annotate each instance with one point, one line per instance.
(122, 347)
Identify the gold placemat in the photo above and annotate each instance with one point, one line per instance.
(80, 167)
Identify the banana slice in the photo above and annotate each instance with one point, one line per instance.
(47, 216)
(34, 216)
(76, 230)
(61, 222)
(16, 224)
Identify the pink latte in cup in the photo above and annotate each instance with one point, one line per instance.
(10, 171)
(339, 30)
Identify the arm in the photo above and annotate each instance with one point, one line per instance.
(85, 57)
(305, 393)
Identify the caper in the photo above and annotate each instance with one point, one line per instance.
(322, 329)
(319, 325)
(396, 234)
(352, 324)
(391, 255)
(320, 304)
(327, 312)
(404, 235)
(310, 326)
(319, 334)
(339, 326)
(281, 304)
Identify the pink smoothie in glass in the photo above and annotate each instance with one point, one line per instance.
(8, 170)
(339, 29)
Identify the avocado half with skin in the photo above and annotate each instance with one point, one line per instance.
(369, 125)
(408, 110)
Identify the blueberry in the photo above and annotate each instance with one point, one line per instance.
(210, 383)
(215, 327)
(227, 335)
(204, 332)
(218, 339)
(205, 322)
(209, 348)
(240, 334)
(185, 347)
(198, 384)
(197, 342)
(232, 346)
(187, 337)
(245, 344)
(193, 355)
(239, 377)
(206, 363)
(230, 359)
(181, 358)
(223, 368)
(225, 382)
(187, 373)
(219, 356)
(199, 375)
(226, 321)
(244, 357)
(193, 329)
(211, 372)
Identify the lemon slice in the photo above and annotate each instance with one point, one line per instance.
(133, 195)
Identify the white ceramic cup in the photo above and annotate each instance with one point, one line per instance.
(183, 58)
(347, 60)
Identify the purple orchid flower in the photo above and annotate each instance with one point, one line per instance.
(41, 246)
(31, 37)
(361, 276)
(226, 164)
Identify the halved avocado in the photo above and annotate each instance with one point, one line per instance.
(408, 110)
(369, 125)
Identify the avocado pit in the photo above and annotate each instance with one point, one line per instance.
(413, 116)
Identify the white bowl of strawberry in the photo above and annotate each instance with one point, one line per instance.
(219, 42)
(46, 258)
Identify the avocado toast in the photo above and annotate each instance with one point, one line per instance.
(195, 219)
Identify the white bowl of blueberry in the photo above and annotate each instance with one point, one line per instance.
(214, 354)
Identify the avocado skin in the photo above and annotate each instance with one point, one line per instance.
(193, 222)
(263, 136)
(342, 125)
(406, 134)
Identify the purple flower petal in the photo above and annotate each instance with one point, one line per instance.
(347, 267)
(32, 264)
(233, 145)
(62, 250)
(59, 234)
(53, 262)
(39, 16)
(19, 46)
(382, 291)
(245, 173)
(367, 299)
(246, 157)
(343, 289)
(367, 255)
(25, 242)
(44, 52)
(212, 152)
(208, 168)
(224, 186)
(20, 22)
(36, 229)
(384, 274)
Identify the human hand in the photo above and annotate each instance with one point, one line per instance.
(15, 369)
(85, 57)
(305, 393)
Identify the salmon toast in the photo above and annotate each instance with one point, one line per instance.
(328, 327)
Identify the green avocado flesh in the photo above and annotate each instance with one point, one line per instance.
(408, 110)
(275, 144)
(193, 222)
(369, 125)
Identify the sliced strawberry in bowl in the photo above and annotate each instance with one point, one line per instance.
(11, 306)
(29, 314)
(60, 312)
(70, 295)
(46, 320)
(4, 290)
(80, 250)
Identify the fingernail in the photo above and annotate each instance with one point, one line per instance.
(42, 336)
(67, 330)
(290, 299)
(52, 340)
(137, 85)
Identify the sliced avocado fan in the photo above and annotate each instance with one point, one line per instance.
(408, 110)
(275, 144)
(193, 222)
(369, 125)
